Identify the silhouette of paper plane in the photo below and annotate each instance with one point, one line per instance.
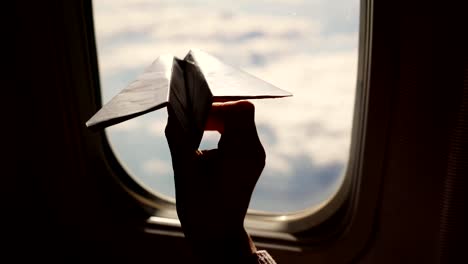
(188, 86)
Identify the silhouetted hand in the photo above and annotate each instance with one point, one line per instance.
(214, 187)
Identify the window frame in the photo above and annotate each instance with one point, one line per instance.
(296, 231)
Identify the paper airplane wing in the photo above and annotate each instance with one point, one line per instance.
(150, 91)
(229, 83)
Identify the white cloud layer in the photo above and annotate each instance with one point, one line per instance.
(157, 166)
(293, 52)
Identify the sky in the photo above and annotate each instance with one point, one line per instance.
(308, 48)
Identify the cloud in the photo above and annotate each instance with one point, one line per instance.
(210, 140)
(157, 166)
(157, 126)
(304, 47)
(306, 185)
(129, 125)
(323, 86)
(236, 37)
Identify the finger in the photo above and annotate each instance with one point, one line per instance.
(237, 114)
(238, 117)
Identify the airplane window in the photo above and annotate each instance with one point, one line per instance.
(309, 48)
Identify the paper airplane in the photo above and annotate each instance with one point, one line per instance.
(188, 86)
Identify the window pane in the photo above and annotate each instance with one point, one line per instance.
(306, 47)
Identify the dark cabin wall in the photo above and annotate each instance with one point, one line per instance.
(63, 205)
(428, 109)
(63, 202)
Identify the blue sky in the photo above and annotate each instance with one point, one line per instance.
(306, 47)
